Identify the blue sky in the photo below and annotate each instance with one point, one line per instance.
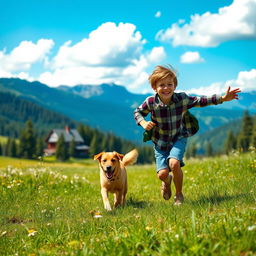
(211, 44)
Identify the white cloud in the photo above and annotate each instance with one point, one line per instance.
(133, 75)
(25, 55)
(113, 53)
(157, 54)
(237, 21)
(246, 81)
(191, 57)
(158, 14)
(109, 45)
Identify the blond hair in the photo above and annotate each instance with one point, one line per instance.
(162, 72)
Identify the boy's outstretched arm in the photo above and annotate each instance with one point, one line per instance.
(230, 95)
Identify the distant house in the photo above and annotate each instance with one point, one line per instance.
(81, 150)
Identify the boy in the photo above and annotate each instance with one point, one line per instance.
(169, 127)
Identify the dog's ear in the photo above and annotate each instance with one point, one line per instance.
(98, 156)
(119, 156)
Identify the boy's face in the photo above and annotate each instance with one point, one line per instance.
(165, 89)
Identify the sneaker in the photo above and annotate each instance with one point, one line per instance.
(178, 200)
(166, 189)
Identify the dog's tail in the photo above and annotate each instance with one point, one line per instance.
(130, 157)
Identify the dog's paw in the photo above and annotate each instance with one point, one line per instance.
(108, 208)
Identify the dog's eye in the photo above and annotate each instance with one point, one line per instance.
(104, 160)
(113, 160)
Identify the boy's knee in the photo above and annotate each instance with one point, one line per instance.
(163, 174)
(174, 164)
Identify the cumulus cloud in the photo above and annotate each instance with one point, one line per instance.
(191, 57)
(246, 81)
(112, 53)
(133, 75)
(108, 45)
(24, 56)
(234, 22)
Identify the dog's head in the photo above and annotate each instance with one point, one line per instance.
(109, 162)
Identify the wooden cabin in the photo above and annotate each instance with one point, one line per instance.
(81, 150)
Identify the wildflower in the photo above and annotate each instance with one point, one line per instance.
(32, 232)
(64, 177)
(148, 228)
(95, 214)
(251, 228)
(73, 243)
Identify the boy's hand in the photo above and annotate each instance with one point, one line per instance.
(230, 95)
(147, 125)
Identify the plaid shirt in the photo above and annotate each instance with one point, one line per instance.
(170, 120)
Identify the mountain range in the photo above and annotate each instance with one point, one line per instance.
(110, 107)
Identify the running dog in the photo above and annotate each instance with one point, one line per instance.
(113, 176)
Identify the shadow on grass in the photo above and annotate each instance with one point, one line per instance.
(216, 199)
(136, 203)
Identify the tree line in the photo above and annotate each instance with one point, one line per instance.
(241, 141)
(246, 137)
(30, 145)
(15, 111)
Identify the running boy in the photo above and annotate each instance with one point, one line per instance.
(169, 127)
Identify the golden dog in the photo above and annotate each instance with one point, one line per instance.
(113, 177)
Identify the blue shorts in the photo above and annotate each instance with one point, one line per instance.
(177, 152)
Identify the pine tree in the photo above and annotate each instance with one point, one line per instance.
(27, 141)
(253, 138)
(61, 149)
(12, 150)
(245, 134)
(87, 133)
(117, 145)
(72, 148)
(7, 147)
(104, 143)
(188, 152)
(94, 146)
(39, 147)
(193, 150)
(209, 150)
(111, 143)
(230, 143)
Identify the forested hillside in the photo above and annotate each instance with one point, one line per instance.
(110, 107)
(15, 111)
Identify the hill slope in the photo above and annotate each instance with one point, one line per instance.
(15, 111)
(105, 116)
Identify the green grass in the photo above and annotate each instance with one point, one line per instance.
(49, 209)
(47, 161)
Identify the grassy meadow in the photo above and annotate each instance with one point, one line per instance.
(56, 209)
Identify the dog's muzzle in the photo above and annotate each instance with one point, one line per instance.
(109, 172)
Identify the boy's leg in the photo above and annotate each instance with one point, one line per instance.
(166, 179)
(163, 172)
(174, 165)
